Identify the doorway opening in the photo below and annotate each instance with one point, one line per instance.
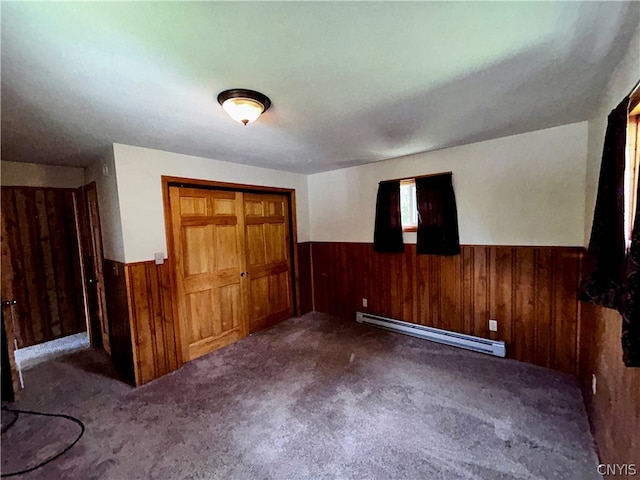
(48, 273)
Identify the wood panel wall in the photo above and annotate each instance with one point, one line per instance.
(118, 316)
(531, 291)
(140, 311)
(305, 287)
(151, 319)
(614, 411)
(41, 264)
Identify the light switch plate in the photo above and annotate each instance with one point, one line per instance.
(159, 258)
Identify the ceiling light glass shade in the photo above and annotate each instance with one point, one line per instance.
(243, 110)
(244, 106)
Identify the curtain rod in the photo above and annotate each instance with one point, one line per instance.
(413, 177)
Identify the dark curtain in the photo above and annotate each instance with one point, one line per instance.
(630, 300)
(606, 255)
(387, 236)
(437, 216)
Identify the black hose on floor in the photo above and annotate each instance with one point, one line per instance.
(14, 420)
(51, 459)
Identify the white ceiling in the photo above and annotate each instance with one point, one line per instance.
(350, 83)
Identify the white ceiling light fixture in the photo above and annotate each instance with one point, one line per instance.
(244, 106)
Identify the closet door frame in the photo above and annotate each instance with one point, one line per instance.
(169, 181)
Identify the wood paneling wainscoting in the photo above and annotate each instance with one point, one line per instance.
(614, 411)
(140, 306)
(118, 316)
(151, 318)
(531, 291)
(304, 278)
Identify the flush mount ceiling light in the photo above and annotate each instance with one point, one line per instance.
(243, 105)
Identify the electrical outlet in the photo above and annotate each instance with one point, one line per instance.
(365, 302)
(593, 383)
(159, 258)
(493, 325)
(116, 272)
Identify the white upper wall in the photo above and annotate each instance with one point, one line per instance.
(139, 171)
(20, 174)
(525, 189)
(103, 173)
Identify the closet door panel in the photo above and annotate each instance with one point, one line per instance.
(256, 251)
(268, 262)
(230, 300)
(209, 262)
(196, 255)
(277, 250)
(226, 242)
(259, 297)
(280, 289)
(199, 306)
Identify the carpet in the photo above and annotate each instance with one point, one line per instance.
(312, 397)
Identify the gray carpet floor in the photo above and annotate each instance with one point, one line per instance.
(312, 397)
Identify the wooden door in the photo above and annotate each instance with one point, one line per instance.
(268, 254)
(95, 279)
(41, 284)
(208, 241)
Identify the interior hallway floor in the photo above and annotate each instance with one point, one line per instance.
(312, 397)
(31, 356)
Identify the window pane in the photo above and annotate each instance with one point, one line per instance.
(631, 174)
(408, 203)
(414, 206)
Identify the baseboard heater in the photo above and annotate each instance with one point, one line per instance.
(477, 344)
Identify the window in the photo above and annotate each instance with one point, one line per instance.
(429, 198)
(631, 171)
(408, 207)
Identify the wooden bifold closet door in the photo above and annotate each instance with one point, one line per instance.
(268, 259)
(232, 265)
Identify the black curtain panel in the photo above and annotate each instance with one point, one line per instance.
(630, 301)
(387, 236)
(630, 298)
(437, 216)
(606, 254)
